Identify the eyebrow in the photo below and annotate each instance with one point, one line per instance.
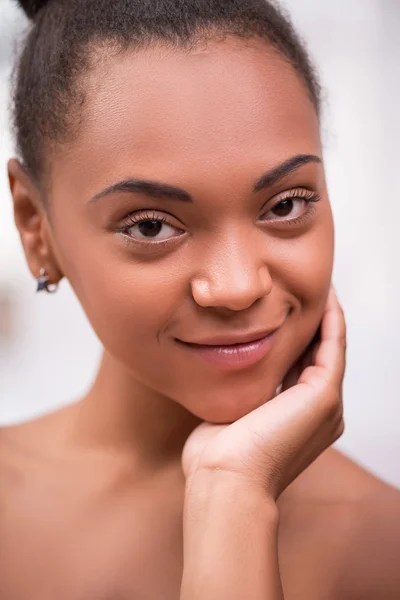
(283, 170)
(155, 189)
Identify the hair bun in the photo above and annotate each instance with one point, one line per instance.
(32, 7)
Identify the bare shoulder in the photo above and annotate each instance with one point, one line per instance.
(38, 433)
(340, 534)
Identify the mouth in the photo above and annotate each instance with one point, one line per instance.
(234, 352)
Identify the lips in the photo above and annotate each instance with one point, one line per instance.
(233, 339)
(233, 356)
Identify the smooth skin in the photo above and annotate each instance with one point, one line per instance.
(244, 467)
(94, 501)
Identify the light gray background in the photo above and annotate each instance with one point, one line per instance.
(51, 357)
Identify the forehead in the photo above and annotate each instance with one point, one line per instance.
(225, 103)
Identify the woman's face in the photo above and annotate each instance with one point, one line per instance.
(243, 245)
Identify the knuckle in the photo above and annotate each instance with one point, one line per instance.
(340, 411)
(342, 326)
(343, 341)
(332, 404)
(342, 337)
(341, 310)
(339, 431)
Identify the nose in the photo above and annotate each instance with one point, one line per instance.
(234, 277)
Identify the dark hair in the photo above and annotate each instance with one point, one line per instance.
(48, 90)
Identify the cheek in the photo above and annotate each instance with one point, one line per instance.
(304, 264)
(305, 272)
(128, 303)
(314, 264)
(133, 306)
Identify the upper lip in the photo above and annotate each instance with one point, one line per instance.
(230, 340)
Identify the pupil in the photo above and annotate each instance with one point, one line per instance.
(284, 208)
(151, 228)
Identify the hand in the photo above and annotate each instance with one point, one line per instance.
(272, 445)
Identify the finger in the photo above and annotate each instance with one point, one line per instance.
(309, 356)
(291, 377)
(306, 359)
(331, 354)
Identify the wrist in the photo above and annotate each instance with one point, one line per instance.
(230, 539)
(227, 490)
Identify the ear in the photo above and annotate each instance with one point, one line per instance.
(31, 219)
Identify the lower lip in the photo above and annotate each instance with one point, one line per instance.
(238, 356)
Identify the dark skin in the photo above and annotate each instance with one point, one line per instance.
(94, 496)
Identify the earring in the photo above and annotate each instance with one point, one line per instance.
(44, 284)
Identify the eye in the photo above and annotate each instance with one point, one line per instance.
(154, 229)
(291, 206)
(149, 227)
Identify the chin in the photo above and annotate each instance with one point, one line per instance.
(230, 405)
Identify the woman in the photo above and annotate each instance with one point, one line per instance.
(171, 168)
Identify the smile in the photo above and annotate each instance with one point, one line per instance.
(234, 356)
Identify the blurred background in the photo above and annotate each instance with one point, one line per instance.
(48, 353)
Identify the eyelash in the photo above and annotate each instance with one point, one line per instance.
(141, 217)
(295, 194)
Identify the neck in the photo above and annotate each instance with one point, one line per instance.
(120, 413)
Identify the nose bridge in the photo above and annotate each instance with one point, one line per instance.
(233, 271)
